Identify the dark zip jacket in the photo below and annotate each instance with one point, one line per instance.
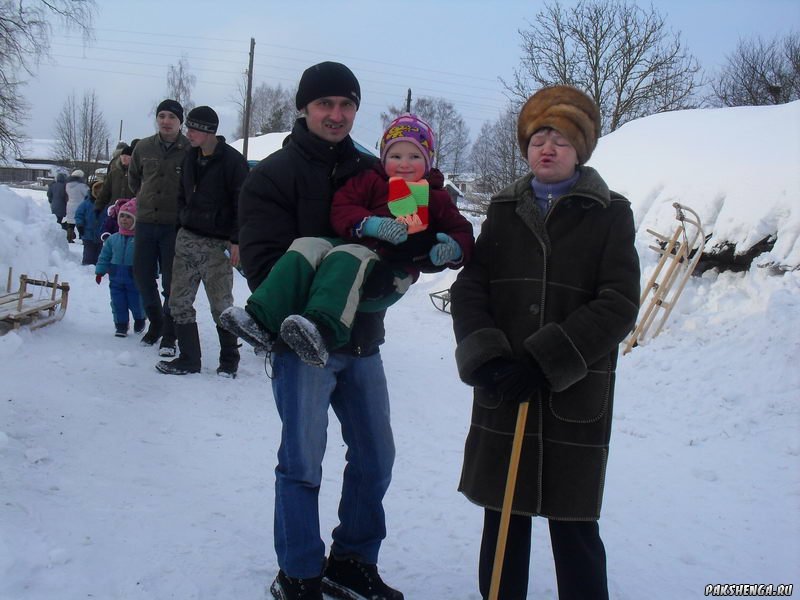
(288, 195)
(208, 195)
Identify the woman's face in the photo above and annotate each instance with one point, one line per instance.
(551, 157)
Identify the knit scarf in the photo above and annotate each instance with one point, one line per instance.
(408, 203)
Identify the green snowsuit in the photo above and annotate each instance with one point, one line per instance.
(321, 279)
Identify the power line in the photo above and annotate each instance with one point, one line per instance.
(261, 44)
(474, 101)
(267, 65)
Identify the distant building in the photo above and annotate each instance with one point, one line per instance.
(470, 183)
(36, 163)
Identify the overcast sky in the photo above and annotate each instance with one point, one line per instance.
(453, 49)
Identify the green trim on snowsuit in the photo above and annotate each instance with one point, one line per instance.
(321, 279)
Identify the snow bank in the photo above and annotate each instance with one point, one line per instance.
(30, 239)
(737, 167)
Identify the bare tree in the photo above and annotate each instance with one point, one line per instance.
(759, 73)
(449, 129)
(496, 158)
(272, 109)
(81, 132)
(180, 82)
(621, 55)
(25, 28)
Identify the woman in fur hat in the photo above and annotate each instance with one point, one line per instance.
(552, 289)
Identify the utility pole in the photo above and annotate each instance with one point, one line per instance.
(119, 139)
(408, 101)
(248, 100)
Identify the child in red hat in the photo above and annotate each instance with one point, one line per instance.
(394, 221)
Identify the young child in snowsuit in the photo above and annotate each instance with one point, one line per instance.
(116, 259)
(393, 222)
(89, 224)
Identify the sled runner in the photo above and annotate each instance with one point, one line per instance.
(680, 254)
(441, 300)
(31, 307)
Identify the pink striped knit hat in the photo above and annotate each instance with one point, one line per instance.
(409, 128)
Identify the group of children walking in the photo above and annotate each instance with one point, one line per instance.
(107, 238)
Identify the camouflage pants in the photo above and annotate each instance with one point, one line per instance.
(199, 258)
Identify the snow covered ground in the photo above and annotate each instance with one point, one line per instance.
(118, 482)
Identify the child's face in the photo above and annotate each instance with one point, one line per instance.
(126, 221)
(404, 160)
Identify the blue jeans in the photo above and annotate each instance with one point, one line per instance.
(356, 389)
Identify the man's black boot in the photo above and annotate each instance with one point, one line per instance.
(168, 346)
(291, 588)
(228, 353)
(189, 359)
(154, 330)
(350, 579)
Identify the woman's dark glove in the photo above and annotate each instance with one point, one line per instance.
(516, 379)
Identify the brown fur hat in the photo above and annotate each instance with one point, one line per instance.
(96, 187)
(566, 109)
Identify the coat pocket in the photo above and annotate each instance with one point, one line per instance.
(585, 401)
(487, 398)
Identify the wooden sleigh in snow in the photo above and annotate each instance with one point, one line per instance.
(680, 254)
(36, 303)
(441, 300)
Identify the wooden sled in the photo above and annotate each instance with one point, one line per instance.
(30, 306)
(441, 300)
(680, 254)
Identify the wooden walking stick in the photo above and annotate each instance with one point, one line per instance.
(508, 500)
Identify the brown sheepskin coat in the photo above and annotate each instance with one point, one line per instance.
(564, 289)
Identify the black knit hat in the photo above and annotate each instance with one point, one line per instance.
(172, 106)
(202, 118)
(126, 151)
(327, 79)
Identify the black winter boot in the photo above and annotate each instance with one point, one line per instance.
(304, 337)
(168, 346)
(138, 325)
(189, 359)
(290, 588)
(350, 579)
(239, 322)
(228, 353)
(154, 330)
(121, 329)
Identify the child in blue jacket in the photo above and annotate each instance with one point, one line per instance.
(116, 259)
(89, 225)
